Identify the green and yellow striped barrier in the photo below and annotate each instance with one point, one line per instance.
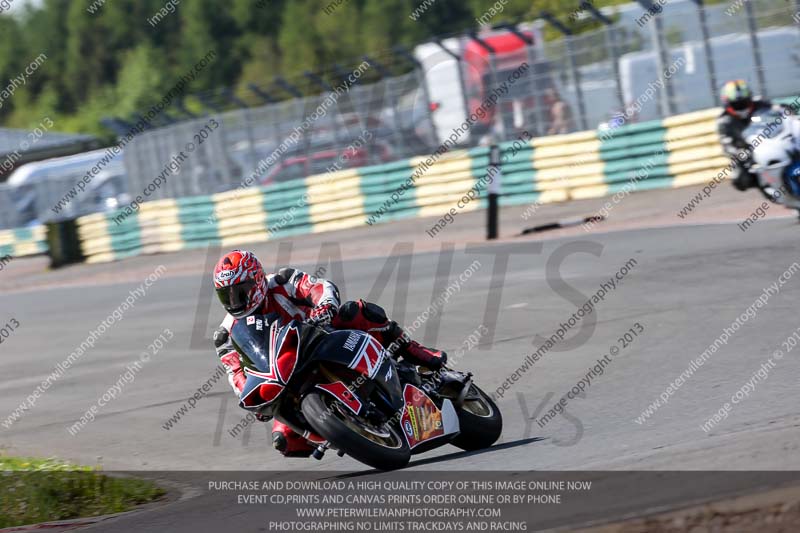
(678, 151)
(22, 242)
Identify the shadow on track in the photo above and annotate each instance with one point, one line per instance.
(449, 457)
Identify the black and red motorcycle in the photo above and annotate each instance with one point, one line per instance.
(343, 386)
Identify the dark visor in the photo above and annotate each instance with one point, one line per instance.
(740, 105)
(235, 298)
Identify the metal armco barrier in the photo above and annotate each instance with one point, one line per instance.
(681, 150)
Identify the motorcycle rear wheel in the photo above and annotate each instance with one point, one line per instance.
(381, 447)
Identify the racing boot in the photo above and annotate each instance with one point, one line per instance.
(289, 443)
(418, 354)
(399, 343)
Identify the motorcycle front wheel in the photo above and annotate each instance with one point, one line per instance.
(480, 420)
(382, 447)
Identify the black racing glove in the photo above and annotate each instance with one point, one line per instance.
(322, 314)
(221, 343)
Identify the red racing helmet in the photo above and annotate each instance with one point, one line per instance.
(240, 283)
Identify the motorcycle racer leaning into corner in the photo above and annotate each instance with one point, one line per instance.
(739, 106)
(243, 289)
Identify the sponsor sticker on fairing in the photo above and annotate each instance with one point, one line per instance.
(421, 419)
(352, 341)
(413, 418)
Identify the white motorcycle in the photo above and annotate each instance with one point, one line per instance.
(774, 139)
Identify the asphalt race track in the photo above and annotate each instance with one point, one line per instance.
(684, 287)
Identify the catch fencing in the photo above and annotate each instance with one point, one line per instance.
(362, 124)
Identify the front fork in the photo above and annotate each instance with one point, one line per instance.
(437, 382)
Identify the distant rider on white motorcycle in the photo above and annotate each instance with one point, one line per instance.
(739, 106)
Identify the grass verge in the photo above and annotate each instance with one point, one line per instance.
(40, 490)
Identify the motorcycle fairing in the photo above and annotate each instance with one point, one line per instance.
(269, 370)
(360, 351)
(369, 356)
(775, 139)
(341, 392)
(258, 392)
(791, 176)
(286, 344)
(422, 422)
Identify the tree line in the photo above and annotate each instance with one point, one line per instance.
(117, 57)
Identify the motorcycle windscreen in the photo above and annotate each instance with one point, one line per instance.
(250, 337)
(764, 125)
